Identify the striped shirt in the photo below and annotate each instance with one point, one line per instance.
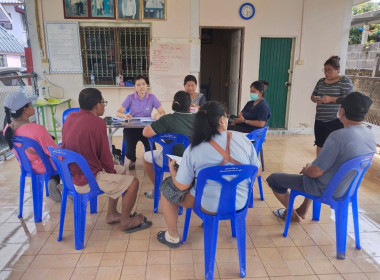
(327, 112)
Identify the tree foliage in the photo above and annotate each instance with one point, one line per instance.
(356, 32)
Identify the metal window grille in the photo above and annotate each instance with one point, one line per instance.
(110, 51)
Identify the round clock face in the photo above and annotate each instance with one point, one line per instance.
(247, 11)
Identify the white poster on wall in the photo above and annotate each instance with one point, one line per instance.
(63, 47)
(169, 64)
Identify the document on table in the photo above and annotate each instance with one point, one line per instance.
(118, 120)
(177, 158)
(143, 119)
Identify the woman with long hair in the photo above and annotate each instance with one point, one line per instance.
(210, 137)
(18, 109)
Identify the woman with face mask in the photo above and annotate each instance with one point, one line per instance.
(255, 113)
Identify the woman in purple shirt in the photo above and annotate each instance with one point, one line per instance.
(140, 104)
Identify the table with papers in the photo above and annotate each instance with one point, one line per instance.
(138, 122)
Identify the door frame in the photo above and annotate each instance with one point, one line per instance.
(291, 71)
(242, 28)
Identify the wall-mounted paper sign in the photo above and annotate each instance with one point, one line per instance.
(63, 47)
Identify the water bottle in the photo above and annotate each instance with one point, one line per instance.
(43, 92)
(92, 77)
(22, 89)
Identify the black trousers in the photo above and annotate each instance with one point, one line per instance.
(131, 137)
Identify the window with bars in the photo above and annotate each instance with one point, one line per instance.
(110, 51)
(3, 60)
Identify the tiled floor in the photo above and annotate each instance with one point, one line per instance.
(31, 251)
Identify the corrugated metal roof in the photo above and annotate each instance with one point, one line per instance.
(11, 1)
(9, 43)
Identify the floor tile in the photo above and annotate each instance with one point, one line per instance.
(31, 251)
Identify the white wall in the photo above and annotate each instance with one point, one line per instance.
(13, 60)
(321, 38)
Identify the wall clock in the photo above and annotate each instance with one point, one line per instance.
(247, 11)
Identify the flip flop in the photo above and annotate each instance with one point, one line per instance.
(142, 226)
(135, 214)
(279, 213)
(149, 194)
(162, 239)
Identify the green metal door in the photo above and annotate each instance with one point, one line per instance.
(275, 54)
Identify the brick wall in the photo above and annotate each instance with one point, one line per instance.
(371, 87)
(361, 57)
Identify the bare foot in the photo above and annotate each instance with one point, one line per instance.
(295, 216)
(131, 222)
(113, 218)
(300, 214)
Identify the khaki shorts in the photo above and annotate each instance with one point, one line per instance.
(113, 185)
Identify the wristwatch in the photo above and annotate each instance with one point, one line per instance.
(245, 121)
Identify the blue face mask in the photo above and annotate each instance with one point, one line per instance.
(254, 96)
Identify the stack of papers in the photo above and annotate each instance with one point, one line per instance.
(143, 119)
(116, 120)
(176, 158)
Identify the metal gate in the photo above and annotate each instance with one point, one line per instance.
(10, 84)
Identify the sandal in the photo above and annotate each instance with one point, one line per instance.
(149, 194)
(135, 214)
(280, 213)
(142, 226)
(161, 237)
(132, 165)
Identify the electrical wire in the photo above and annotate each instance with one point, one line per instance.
(63, 91)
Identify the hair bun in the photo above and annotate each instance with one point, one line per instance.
(335, 57)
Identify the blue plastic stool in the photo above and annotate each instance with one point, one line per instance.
(358, 166)
(226, 211)
(258, 136)
(167, 141)
(68, 112)
(27, 171)
(62, 158)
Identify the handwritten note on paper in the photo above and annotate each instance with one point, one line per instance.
(63, 47)
(170, 63)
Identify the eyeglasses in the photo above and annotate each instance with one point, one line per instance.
(328, 70)
(104, 102)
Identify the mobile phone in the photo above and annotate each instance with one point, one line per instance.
(175, 166)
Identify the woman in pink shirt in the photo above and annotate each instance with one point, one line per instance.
(18, 110)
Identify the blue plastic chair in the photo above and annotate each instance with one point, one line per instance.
(358, 165)
(27, 171)
(226, 211)
(62, 158)
(258, 136)
(123, 144)
(68, 112)
(167, 141)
